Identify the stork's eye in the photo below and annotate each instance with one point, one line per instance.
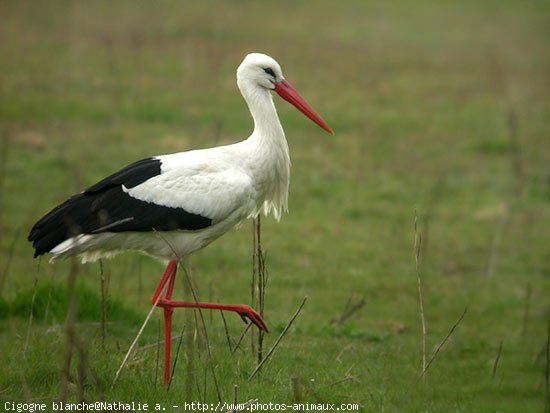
(269, 71)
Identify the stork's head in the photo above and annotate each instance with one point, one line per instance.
(260, 70)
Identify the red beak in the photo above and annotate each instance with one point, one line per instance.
(288, 93)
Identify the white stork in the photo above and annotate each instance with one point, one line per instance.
(169, 206)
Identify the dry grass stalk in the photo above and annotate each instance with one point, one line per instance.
(417, 247)
(262, 284)
(272, 349)
(442, 343)
(253, 284)
(175, 363)
(238, 344)
(349, 310)
(346, 348)
(227, 335)
(259, 283)
(235, 398)
(348, 377)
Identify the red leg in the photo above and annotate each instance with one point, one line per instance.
(167, 278)
(168, 311)
(169, 273)
(167, 281)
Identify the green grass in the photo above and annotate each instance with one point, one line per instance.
(49, 303)
(420, 95)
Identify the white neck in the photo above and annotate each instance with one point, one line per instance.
(269, 149)
(260, 104)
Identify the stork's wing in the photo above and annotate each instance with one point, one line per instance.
(207, 187)
(143, 197)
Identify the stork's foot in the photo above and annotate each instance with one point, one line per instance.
(244, 311)
(248, 313)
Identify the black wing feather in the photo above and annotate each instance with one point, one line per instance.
(105, 207)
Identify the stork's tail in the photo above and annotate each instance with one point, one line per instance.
(55, 227)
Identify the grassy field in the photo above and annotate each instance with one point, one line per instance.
(441, 112)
